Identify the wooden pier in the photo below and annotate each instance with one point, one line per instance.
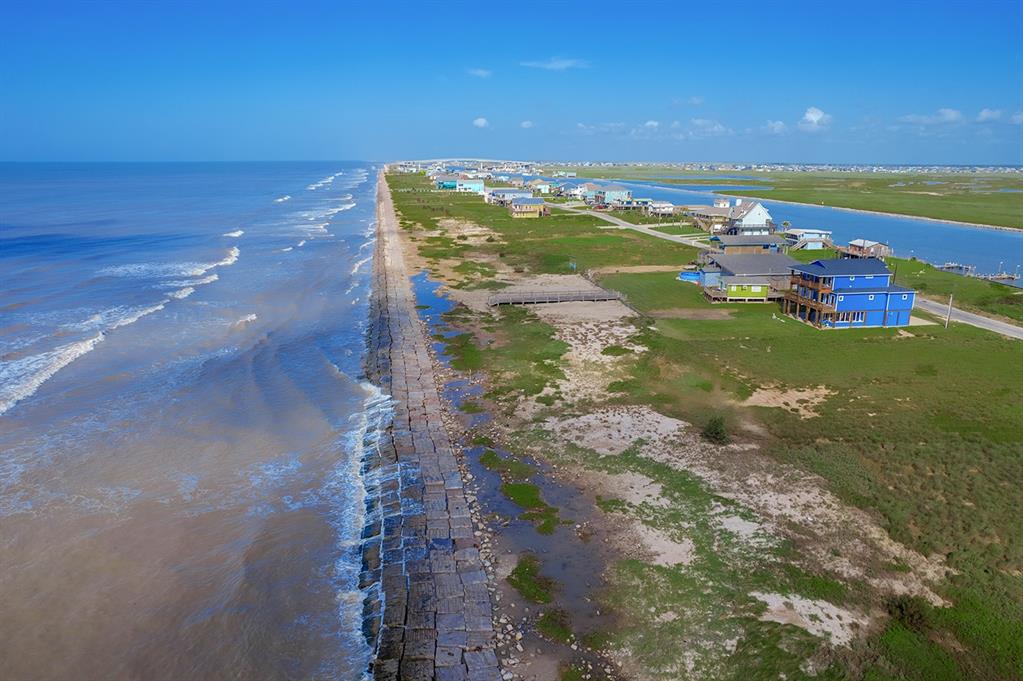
(542, 297)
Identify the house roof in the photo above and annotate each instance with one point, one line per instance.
(527, 202)
(749, 239)
(843, 267)
(745, 281)
(866, 243)
(754, 264)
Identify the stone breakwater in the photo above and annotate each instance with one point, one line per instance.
(431, 617)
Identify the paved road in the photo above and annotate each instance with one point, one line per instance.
(940, 309)
(644, 229)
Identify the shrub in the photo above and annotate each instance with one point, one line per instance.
(715, 431)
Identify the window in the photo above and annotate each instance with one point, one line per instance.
(852, 278)
(754, 289)
(841, 298)
(870, 297)
(905, 296)
(870, 276)
(858, 317)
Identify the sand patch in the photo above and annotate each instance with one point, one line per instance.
(601, 310)
(665, 551)
(802, 401)
(552, 282)
(631, 487)
(472, 232)
(820, 618)
(920, 321)
(612, 430)
(841, 540)
(739, 526)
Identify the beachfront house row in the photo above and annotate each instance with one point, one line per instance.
(808, 239)
(746, 217)
(732, 289)
(773, 270)
(611, 195)
(502, 196)
(865, 248)
(467, 185)
(527, 208)
(588, 192)
(749, 218)
(741, 243)
(539, 186)
(445, 181)
(662, 208)
(847, 293)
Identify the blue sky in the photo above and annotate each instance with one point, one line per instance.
(881, 82)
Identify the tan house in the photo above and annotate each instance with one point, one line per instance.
(527, 208)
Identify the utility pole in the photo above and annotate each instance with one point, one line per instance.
(948, 315)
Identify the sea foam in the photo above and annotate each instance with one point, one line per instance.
(235, 234)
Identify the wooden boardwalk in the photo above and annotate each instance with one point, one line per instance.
(541, 297)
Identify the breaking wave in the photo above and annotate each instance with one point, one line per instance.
(21, 378)
(235, 234)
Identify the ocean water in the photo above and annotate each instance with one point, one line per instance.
(183, 419)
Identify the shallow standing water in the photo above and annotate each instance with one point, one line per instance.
(181, 419)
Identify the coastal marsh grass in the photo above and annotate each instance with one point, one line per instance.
(555, 624)
(539, 512)
(525, 577)
(547, 245)
(910, 435)
(506, 466)
(968, 198)
(924, 432)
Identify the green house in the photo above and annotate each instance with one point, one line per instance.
(744, 289)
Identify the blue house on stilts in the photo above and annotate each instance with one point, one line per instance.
(844, 294)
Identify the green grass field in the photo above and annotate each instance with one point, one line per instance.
(925, 432)
(993, 199)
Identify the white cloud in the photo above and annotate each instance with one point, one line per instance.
(675, 125)
(814, 119)
(696, 100)
(1017, 118)
(652, 125)
(774, 127)
(599, 128)
(706, 127)
(526, 124)
(941, 117)
(480, 73)
(988, 115)
(481, 122)
(556, 64)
